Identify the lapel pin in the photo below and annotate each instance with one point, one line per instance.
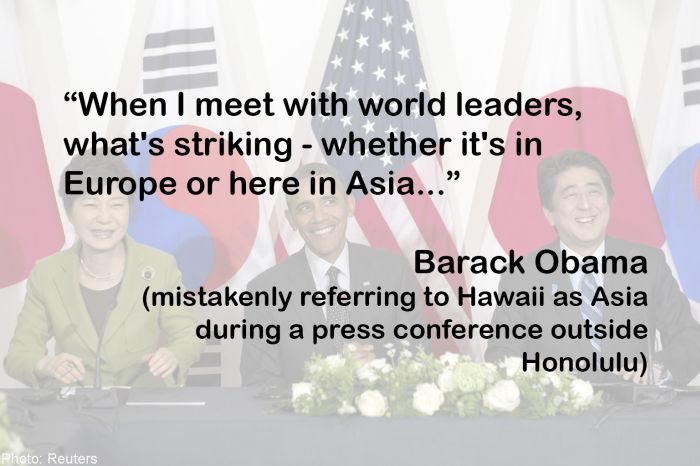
(148, 273)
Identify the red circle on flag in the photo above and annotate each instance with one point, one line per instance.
(605, 130)
(231, 220)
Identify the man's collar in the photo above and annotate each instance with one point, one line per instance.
(319, 266)
(598, 253)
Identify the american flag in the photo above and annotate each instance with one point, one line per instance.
(375, 55)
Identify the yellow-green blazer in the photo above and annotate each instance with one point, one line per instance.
(54, 308)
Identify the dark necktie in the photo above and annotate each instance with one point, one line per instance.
(593, 314)
(336, 314)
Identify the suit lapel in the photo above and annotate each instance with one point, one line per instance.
(561, 282)
(303, 280)
(616, 281)
(358, 268)
(362, 274)
(130, 291)
(68, 287)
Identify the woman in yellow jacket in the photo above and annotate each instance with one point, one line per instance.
(89, 299)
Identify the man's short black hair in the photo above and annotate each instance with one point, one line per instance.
(553, 166)
(93, 166)
(319, 169)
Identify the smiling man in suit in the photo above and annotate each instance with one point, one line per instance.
(327, 260)
(575, 191)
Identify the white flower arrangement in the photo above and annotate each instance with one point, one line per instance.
(372, 403)
(428, 398)
(503, 396)
(414, 383)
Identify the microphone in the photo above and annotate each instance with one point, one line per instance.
(651, 347)
(98, 363)
(648, 394)
(98, 353)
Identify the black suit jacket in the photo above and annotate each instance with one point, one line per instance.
(668, 311)
(283, 363)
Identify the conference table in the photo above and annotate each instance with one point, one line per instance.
(212, 426)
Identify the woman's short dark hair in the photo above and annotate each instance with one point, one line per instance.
(93, 166)
(553, 166)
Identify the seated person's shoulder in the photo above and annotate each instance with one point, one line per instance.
(377, 257)
(57, 263)
(288, 267)
(144, 253)
(380, 260)
(52, 262)
(382, 267)
(621, 247)
(530, 259)
(151, 255)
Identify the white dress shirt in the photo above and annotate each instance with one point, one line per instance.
(576, 277)
(319, 270)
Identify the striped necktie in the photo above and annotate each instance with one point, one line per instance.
(336, 314)
(593, 314)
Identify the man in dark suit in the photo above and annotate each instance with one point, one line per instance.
(326, 260)
(575, 191)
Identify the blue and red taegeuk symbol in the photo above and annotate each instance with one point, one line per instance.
(677, 196)
(209, 235)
